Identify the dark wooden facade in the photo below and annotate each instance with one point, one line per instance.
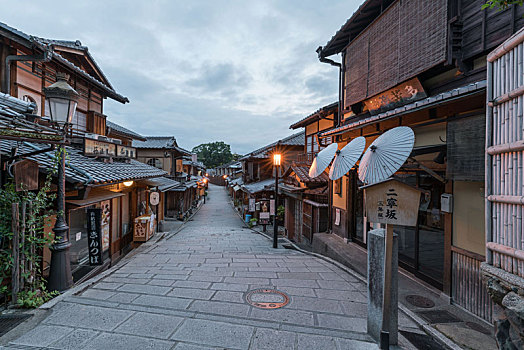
(441, 45)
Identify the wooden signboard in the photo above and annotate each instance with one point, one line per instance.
(99, 148)
(401, 94)
(179, 166)
(392, 202)
(94, 236)
(125, 151)
(26, 175)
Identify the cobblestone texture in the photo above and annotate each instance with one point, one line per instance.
(186, 292)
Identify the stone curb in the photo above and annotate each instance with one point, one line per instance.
(86, 284)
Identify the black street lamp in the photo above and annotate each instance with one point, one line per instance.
(276, 162)
(61, 99)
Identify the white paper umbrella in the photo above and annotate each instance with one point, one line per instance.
(386, 155)
(322, 160)
(347, 157)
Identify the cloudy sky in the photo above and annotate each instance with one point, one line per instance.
(234, 71)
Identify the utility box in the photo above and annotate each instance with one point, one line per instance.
(446, 202)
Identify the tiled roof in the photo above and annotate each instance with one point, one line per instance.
(356, 23)
(157, 142)
(297, 139)
(14, 125)
(39, 43)
(302, 171)
(119, 129)
(264, 185)
(195, 164)
(84, 169)
(162, 183)
(444, 97)
(315, 116)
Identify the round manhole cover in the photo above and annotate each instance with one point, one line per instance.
(266, 298)
(420, 301)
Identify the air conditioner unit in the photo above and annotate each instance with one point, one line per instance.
(115, 141)
(91, 136)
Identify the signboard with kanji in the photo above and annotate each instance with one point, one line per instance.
(99, 148)
(94, 236)
(125, 151)
(392, 202)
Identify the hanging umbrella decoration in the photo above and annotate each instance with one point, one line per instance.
(386, 155)
(322, 160)
(347, 157)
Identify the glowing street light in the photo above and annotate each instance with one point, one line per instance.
(277, 159)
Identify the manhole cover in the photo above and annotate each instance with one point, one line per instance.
(8, 322)
(266, 298)
(439, 316)
(420, 301)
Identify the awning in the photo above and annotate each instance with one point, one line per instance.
(95, 195)
(163, 183)
(445, 97)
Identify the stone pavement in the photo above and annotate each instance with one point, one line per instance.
(186, 291)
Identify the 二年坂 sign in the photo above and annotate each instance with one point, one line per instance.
(392, 202)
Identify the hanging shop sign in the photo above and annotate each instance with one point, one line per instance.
(400, 95)
(154, 198)
(392, 202)
(106, 223)
(179, 166)
(252, 204)
(125, 151)
(271, 207)
(94, 236)
(99, 148)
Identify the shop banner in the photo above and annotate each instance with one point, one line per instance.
(251, 204)
(94, 236)
(272, 207)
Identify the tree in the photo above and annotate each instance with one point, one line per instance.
(214, 154)
(501, 4)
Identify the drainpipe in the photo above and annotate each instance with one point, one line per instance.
(44, 57)
(340, 66)
(323, 59)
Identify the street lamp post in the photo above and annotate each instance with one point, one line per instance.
(61, 99)
(276, 162)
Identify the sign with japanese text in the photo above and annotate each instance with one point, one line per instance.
(94, 236)
(125, 151)
(99, 148)
(392, 202)
(402, 94)
(251, 204)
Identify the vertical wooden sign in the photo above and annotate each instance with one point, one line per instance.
(94, 236)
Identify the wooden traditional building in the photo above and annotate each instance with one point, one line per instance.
(307, 199)
(258, 171)
(422, 64)
(101, 171)
(164, 153)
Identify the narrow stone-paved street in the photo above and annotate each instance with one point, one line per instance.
(186, 291)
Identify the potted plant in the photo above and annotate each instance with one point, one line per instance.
(252, 222)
